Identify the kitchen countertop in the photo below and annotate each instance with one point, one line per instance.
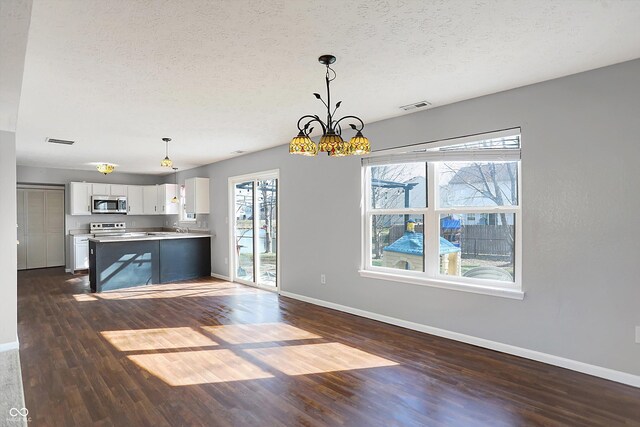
(152, 236)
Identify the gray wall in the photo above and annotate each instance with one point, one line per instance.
(8, 250)
(580, 205)
(52, 176)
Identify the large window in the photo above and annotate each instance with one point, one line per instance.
(446, 214)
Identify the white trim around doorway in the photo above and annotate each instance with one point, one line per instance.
(232, 181)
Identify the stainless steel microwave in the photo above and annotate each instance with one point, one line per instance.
(108, 204)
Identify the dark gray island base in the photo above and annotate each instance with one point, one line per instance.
(124, 263)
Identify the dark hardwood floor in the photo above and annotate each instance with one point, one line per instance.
(213, 353)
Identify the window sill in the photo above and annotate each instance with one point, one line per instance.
(444, 284)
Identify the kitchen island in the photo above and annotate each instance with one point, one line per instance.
(117, 262)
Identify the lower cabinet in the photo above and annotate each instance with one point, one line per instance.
(146, 262)
(80, 253)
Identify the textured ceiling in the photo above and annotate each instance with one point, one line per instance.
(221, 76)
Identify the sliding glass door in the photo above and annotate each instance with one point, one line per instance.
(254, 237)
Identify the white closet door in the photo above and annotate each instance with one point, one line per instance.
(22, 241)
(54, 212)
(36, 229)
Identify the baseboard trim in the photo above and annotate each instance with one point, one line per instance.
(15, 345)
(220, 276)
(67, 270)
(574, 365)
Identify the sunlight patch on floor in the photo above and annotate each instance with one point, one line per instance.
(84, 297)
(317, 358)
(259, 332)
(176, 291)
(156, 339)
(199, 367)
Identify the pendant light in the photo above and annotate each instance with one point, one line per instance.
(166, 162)
(175, 197)
(331, 140)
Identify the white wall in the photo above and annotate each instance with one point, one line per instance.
(8, 250)
(52, 176)
(581, 236)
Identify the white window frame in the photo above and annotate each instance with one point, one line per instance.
(183, 212)
(431, 214)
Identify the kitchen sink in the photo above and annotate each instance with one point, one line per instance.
(163, 233)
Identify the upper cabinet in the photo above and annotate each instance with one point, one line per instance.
(118, 190)
(196, 195)
(100, 189)
(150, 200)
(168, 201)
(80, 195)
(135, 200)
(141, 199)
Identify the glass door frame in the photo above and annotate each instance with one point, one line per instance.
(231, 220)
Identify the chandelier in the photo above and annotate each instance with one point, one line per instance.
(166, 162)
(105, 168)
(331, 140)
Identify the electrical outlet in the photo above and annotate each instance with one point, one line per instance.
(323, 279)
(638, 334)
(226, 261)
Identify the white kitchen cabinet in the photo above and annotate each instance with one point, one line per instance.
(135, 200)
(118, 190)
(150, 199)
(100, 189)
(80, 197)
(197, 195)
(80, 252)
(166, 193)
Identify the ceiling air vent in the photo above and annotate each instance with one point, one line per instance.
(415, 105)
(59, 141)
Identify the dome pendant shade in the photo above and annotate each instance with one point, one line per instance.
(166, 162)
(303, 145)
(105, 168)
(359, 145)
(330, 143)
